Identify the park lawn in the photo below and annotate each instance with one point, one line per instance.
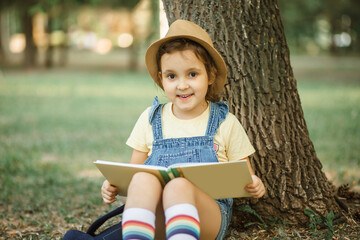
(54, 124)
(332, 116)
(329, 89)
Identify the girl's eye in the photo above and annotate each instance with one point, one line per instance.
(171, 76)
(193, 74)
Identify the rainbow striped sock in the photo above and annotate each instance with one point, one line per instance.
(138, 223)
(182, 222)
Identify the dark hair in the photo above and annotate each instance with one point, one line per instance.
(182, 44)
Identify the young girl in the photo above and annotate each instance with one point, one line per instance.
(192, 127)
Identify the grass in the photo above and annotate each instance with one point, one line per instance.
(54, 124)
(71, 116)
(329, 90)
(332, 115)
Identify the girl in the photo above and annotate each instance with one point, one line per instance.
(192, 127)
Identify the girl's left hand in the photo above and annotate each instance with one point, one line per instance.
(256, 188)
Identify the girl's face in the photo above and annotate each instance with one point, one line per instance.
(185, 82)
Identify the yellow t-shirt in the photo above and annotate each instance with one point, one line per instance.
(231, 141)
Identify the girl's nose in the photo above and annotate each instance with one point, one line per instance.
(182, 84)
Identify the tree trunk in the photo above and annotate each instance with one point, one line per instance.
(30, 50)
(49, 56)
(334, 18)
(64, 48)
(133, 52)
(261, 91)
(2, 51)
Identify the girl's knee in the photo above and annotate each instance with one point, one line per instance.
(179, 188)
(144, 180)
(144, 192)
(178, 184)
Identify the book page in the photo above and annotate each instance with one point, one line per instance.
(221, 180)
(120, 174)
(218, 180)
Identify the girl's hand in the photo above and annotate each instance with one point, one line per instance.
(256, 188)
(109, 192)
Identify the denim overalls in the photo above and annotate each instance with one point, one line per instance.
(190, 149)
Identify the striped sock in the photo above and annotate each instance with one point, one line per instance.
(182, 222)
(138, 223)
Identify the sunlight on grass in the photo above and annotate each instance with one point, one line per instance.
(79, 120)
(127, 91)
(332, 113)
(77, 117)
(54, 124)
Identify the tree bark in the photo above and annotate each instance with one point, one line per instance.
(30, 49)
(261, 91)
(2, 51)
(64, 48)
(49, 56)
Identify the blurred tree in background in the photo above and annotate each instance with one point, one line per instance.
(318, 26)
(46, 24)
(42, 26)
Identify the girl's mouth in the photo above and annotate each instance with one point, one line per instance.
(185, 96)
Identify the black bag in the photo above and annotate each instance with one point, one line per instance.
(112, 233)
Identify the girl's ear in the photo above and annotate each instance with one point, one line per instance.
(211, 78)
(160, 80)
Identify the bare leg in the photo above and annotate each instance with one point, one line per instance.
(160, 223)
(180, 190)
(144, 192)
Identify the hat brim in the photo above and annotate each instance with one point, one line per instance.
(151, 63)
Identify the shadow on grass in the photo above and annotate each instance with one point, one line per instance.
(54, 124)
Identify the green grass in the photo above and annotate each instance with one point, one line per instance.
(332, 115)
(54, 124)
(329, 90)
(72, 117)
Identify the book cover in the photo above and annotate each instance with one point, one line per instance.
(218, 180)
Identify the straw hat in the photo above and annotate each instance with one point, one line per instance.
(189, 30)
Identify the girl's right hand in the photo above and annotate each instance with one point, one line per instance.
(109, 192)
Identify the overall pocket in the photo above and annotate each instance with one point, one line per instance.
(187, 156)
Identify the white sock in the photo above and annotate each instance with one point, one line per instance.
(182, 222)
(138, 223)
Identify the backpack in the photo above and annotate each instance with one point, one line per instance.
(112, 233)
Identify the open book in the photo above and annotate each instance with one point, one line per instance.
(218, 180)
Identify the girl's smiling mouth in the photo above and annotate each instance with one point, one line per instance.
(185, 96)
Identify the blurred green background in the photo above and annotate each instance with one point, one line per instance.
(73, 86)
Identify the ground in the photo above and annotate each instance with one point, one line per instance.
(55, 123)
(348, 227)
(30, 225)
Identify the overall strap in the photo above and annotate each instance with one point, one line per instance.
(155, 119)
(218, 112)
(95, 225)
